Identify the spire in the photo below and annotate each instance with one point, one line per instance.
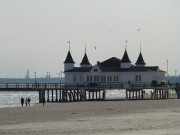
(125, 58)
(85, 60)
(69, 58)
(140, 60)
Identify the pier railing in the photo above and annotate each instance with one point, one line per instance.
(100, 85)
(30, 85)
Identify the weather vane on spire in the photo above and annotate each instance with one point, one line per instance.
(85, 47)
(126, 45)
(140, 46)
(69, 44)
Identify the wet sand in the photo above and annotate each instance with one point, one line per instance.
(145, 117)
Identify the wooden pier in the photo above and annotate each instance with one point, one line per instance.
(57, 92)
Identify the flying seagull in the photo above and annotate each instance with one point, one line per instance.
(138, 29)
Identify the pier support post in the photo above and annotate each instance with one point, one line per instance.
(93, 95)
(89, 95)
(133, 94)
(84, 95)
(126, 94)
(41, 95)
(155, 94)
(167, 94)
(63, 95)
(52, 98)
(142, 94)
(96, 95)
(47, 95)
(129, 95)
(104, 94)
(60, 95)
(139, 94)
(151, 95)
(56, 96)
(160, 94)
(99, 95)
(178, 94)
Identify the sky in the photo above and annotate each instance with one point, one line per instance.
(34, 33)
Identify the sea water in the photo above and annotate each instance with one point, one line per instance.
(13, 99)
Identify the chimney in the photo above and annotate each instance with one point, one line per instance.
(98, 63)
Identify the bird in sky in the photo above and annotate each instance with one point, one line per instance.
(95, 47)
(138, 29)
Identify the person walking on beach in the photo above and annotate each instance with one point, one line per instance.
(43, 101)
(29, 100)
(26, 101)
(22, 101)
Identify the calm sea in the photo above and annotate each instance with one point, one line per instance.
(12, 99)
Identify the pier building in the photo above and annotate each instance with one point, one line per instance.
(112, 70)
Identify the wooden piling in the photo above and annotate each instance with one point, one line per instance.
(136, 94)
(129, 95)
(139, 94)
(142, 94)
(89, 95)
(60, 95)
(104, 94)
(52, 96)
(47, 95)
(56, 96)
(126, 94)
(99, 95)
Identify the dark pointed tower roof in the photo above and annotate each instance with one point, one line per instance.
(140, 60)
(125, 58)
(69, 58)
(85, 60)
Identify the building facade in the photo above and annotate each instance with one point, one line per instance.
(112, 70)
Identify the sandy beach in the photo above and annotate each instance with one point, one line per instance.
(145, 117)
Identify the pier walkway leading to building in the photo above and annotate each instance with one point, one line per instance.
(60, 92)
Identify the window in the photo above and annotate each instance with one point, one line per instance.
(90, 78)
(96, 78)
(110, 78)
(116, 78)
(74, 78)
(103, 78)
(95, 70)
(81, 78)
(138, 78)
(87, 78)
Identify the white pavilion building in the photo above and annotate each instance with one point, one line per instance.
(112, 70)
